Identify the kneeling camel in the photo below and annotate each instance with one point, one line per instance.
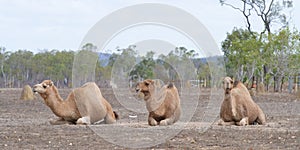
(163, 103)
(84, 105)
(238, 107)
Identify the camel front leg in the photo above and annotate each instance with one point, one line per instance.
(152, 121)
(166, 122)
(172, 119)
(59, 121)
(243, 122)
(221, 122)
(86, 120)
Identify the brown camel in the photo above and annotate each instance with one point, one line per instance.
(163, 103)
(84, 105)
(238, 107)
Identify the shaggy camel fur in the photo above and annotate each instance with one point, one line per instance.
(84, 105)
(238, 107)
(163, 103)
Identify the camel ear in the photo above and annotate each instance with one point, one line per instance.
(148, 82)
(51, 83)
(232, 79)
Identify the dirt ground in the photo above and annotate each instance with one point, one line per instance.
(25, 125)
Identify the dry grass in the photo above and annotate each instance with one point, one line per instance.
(27, 93)
(261, 88)
(252, 92)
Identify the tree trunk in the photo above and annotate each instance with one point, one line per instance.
(281, 84)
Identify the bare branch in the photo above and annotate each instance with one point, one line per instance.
(247, 17)
(270, 6)
(236, 8)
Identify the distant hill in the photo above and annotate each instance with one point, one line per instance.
(198, 61)
(104, 59)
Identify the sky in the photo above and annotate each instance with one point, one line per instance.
(37, 25)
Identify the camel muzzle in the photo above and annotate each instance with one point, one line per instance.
(137, 90)
(33, 90)
(227, 90)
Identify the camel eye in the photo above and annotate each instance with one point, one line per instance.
(44, 86)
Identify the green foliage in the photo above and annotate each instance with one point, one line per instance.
(123, 63)
(242, 53)
(272, 57)
(178, 62)
(144, 68)
(23, 66)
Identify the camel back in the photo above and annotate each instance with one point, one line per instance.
(89, 101)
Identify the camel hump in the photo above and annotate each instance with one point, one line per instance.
(89, 84)
(236, 83)
(170, 85)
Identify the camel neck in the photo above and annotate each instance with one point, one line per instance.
(155, 100)
(228, 96)
(55, 102)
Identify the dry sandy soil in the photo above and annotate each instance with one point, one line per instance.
(25, 125)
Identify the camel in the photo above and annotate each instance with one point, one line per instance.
(238, 108)
(162, 103)
(84, 105)
(157, 83)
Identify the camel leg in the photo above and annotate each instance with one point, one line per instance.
(221, 122)
(84, 120)
(59, 121)
(172, 119)
(167, 121)
(243, 122)
(152, 121)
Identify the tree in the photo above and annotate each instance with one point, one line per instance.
(3, 58)
(20, 66)
(179, 64)
(241, 51)
(144, 69)
(285, 55)
(84, 65)
(123, 64)
(204, 71)
(268, 13)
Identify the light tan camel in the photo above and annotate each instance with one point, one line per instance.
(238, 107)
(84, 105)
(163, 103)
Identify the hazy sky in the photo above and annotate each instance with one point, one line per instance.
(62, 24)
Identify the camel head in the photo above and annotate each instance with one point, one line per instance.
(43, 87)
(227, 84)
(146, 87)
